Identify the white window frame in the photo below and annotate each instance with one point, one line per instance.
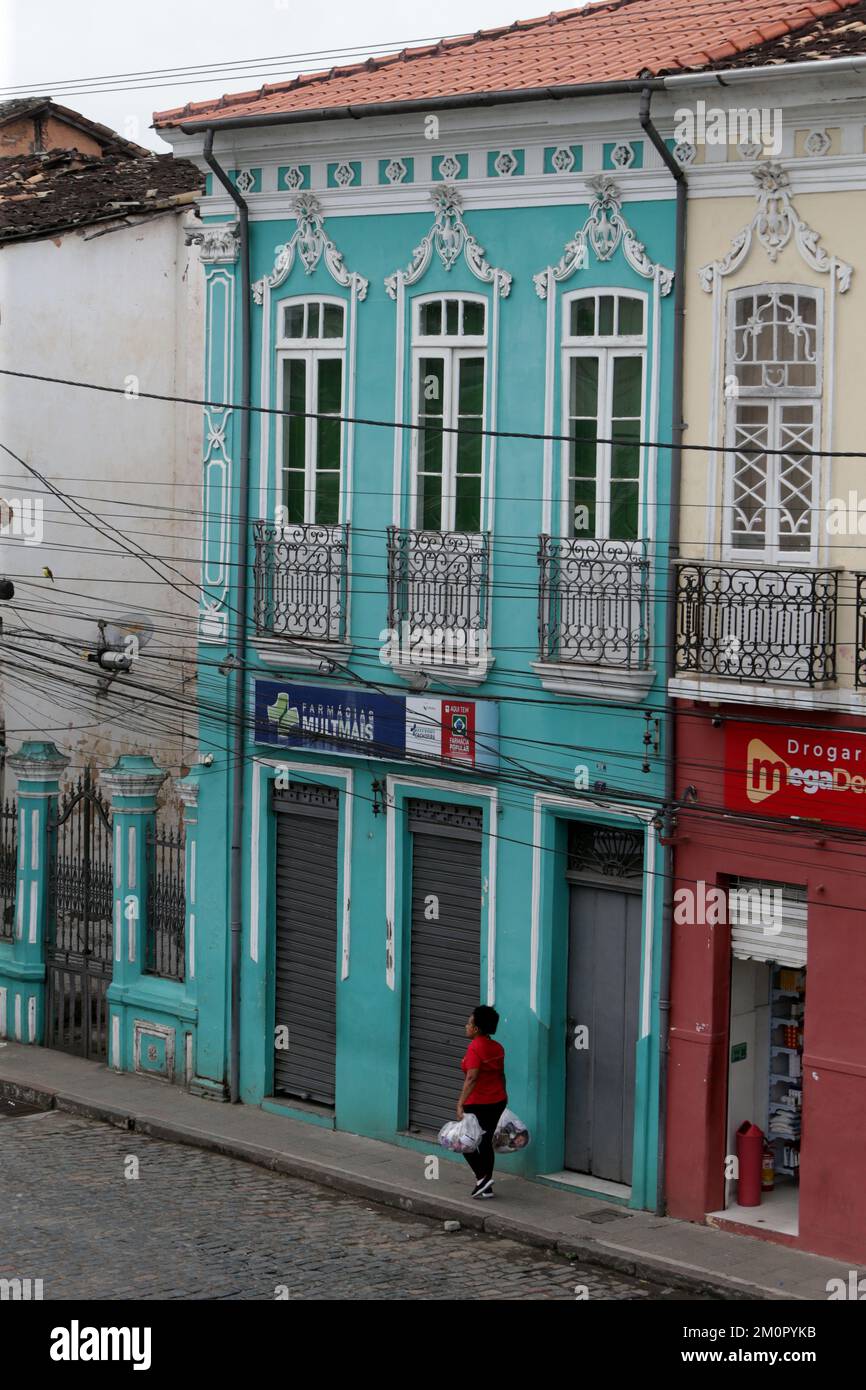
(452, 348)
(771, 553)
(312, 351)
(606, 347)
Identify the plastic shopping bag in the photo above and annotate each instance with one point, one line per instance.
(511, 1134)
(461, 1136)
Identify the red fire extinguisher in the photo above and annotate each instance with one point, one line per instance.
(750, 1151)
(768, 1168)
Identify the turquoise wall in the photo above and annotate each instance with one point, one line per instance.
(543, 736)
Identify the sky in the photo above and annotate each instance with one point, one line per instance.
(45, 45)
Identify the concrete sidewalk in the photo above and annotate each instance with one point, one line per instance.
(676, 1252)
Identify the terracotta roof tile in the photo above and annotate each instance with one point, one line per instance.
(609, 40)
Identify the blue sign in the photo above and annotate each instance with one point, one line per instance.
(325, 720)
(420, 728)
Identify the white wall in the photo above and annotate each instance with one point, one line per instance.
(102, 308)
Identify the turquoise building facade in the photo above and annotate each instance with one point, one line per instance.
(454, 626)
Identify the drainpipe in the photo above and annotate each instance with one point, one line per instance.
(677, 428)
(238, 665)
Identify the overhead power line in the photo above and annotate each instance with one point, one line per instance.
(425, 427)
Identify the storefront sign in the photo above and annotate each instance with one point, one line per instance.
(322, 719)
(810, 774)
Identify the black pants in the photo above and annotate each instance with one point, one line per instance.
(482, 1160)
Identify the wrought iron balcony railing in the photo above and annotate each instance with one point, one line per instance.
(593, 602)
(300, 581)
(752, 624)
(860, 666)
(438, 595)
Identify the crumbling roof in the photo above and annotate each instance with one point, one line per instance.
(21, 107)
(616, 40)
(840, 35)
(43, 195)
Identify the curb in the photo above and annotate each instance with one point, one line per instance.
(621, 1260)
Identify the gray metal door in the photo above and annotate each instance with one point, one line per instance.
(603, 994)
(305, 994)
(445, 954)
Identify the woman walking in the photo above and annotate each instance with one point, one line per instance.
(483, 1094)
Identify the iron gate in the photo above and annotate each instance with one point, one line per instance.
(81, 897)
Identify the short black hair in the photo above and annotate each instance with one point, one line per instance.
(486, 1019)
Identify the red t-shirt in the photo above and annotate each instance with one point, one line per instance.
(489, 1057)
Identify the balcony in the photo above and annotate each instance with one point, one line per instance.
(860, 649)
(739, 623)
(438, 604)
(300, 597)
(593, 617)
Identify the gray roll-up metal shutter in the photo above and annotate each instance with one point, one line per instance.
(768, 921)
(305, 992)
(445, 954)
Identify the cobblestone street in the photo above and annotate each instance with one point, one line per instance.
(194, 1225)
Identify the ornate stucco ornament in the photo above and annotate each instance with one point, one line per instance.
(311, 243)
(218, 243)
(604, 230)
(775, 222)
(449, 237)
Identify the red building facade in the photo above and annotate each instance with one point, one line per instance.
(768, 972)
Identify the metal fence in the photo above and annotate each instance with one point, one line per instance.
(164, 952)
(8, 854)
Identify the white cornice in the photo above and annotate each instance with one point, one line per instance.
(546, 190)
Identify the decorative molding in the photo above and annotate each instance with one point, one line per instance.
(144, 1050)
(775, 222)
(293, 177)
(604, 230)
(505, 164)
(245, 181)
(344, 175)
(562, 160)
(449, 167)
(449, 237)
(817, 143)
(311, 243)
(685, 153)
(217, 245)
(217, 450)
(396, 170)
(750, 150)
(622, 155)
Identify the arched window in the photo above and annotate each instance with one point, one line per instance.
(311, 350)
(449, 352)
(773, 387)
(604, 367)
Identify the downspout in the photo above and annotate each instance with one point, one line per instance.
(237, 748)
(669, 744)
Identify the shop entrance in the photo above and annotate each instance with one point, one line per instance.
(445, 954)
(305, 976)
(767, 1019)
(605, 872)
